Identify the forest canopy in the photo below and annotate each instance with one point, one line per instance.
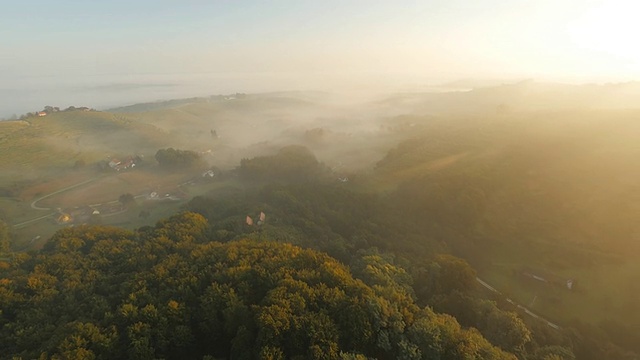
(291, 164)
(171, 292)
(171, 158)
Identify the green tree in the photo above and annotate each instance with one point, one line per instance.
(292, 164)
(126, 199)
(506, 330)
(444, 277)
(171, 158)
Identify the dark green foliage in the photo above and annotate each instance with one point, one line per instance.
(126, 199)
(326, 217)
(346, 225)
(292, 164)
(453, 274)
(171, 158)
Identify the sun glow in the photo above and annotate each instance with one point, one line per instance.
(610, 28)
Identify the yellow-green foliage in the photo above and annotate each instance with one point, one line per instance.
(168, 292)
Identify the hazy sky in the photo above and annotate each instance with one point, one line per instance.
(440, 40)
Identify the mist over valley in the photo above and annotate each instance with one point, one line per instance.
(304, 180)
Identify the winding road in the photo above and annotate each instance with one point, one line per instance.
(32, 220)
(527, 311)
(34, 206)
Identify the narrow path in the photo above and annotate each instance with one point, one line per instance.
(32, 220)
(527, 311)
(115, 201)
(34, 206)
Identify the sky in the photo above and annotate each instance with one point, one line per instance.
(50, 49)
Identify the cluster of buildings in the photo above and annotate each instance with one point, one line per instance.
(128, 163)
(52, 109)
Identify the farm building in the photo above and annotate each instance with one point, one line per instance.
(128, 163)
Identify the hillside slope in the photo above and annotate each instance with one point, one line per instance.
(171, 292)
(552, 195)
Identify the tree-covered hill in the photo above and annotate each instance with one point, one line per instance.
(298, 260)
(347, 222)
(549, 194)
(567, 175)
(172, 292)
(143, 294)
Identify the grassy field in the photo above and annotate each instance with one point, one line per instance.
(109, 188)
(602, 287)
(35, 226)
(8, 128)
(58, 140)
(43, 155)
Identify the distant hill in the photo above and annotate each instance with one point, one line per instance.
(517, 97)
(61, 138)
(158, 105)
